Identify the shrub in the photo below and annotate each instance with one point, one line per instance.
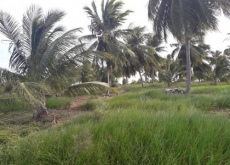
(58, 102)
(13, 105)
(90, 105)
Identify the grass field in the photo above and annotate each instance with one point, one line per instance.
(142, 126)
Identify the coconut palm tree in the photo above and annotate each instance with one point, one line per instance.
(201, 65)
(170, 70)
(86, 72)
(198, 54)
(136, 41)
(186, 19)
(42, 55)
(155, 42)
(106, 33)
(201, 69)
(220, 67)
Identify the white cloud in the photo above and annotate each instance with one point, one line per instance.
(76, 17)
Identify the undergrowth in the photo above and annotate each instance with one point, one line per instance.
(144, 126)
(58, 102)
(8, 105)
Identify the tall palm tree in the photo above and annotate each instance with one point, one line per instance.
(155, 42)
(185, 19)
(42, 55)
(198, 54)
(136, 41)
(106, 32)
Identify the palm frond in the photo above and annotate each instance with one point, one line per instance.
(10, 29)
(88, 37)
(30, 23)
(32, 92)
(7, 76)
(86, 88)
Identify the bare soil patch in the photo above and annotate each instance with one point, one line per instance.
(219, 111)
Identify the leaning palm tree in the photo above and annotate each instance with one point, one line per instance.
(42, 56)
(106, 33)
(186, 19)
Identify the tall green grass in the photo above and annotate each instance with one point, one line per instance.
(144, 126)
(58, 102)
(8, 105)
(129, 137)
(160, 138)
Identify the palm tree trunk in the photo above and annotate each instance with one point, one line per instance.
(188, 67)
(108, 78)
(153, 74)
(146, 77)
(215, 81)
(41, 111)
(215, 74)
(142, 83)
(168, 84)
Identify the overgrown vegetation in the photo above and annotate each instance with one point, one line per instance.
(144, 126)
(141, 126)
(89, 105)
(13, 104)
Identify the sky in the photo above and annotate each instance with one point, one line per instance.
(76, 17)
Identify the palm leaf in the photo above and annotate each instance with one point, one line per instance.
(86, 88)
(7, 76)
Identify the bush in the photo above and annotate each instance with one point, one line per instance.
(90, 105)
(13, 105)
(58, 102)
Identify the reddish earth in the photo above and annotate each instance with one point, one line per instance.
(74, 110)
(78, 102)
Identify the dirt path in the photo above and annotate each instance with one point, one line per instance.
(72, 112)
(61, 115)
(55, 115)
(225, 111)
